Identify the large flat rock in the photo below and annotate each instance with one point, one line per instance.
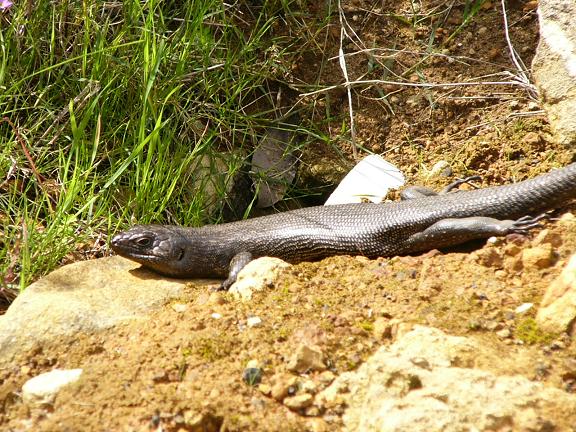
(82, 297)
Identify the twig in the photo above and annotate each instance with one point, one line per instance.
(342, 62)
(522, 75)
(422, 85)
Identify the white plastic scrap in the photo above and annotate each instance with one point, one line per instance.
(370, 180)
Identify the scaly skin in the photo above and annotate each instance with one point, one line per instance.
(371, 230)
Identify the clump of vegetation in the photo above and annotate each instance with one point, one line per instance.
(528, 332)
(213, 348)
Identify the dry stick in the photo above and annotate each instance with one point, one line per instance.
(423, 85)
(342, 62)
(523, 77)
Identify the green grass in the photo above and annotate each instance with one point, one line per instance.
(119, 104)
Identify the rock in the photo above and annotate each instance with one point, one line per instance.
(382, 328)
(283, 386)
(42, 389)
(81, 297)
(392, 392)
(254, 321)
(558, 308)
(440, 169)
(307, 358)
(554, 67)
(524, 307)
(256, 276)
(488, 257)
(532, 138)
(274, 163)
(539, 257)
(546, 236)
(299, 401)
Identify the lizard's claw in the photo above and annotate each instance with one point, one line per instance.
(526, 223)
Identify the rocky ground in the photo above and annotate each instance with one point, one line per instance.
(440, 341)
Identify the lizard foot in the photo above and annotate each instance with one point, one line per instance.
(526, 223)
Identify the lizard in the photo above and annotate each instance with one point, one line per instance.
(418, 224)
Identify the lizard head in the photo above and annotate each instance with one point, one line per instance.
(160, 248)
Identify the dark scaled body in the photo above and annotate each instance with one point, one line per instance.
(356, 229)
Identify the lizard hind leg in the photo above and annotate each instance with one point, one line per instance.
(451, 232)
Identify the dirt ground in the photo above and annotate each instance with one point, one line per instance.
(183, 367)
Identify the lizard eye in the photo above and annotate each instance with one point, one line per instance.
(144, 241)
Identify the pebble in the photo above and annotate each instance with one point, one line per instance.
(326, 377)
(265, 389)
(545, 236)
(540, 257)
(532, 138)
(299, 401)
(307, 358)
(283, 386)
(504, 333)
(42, 389)
(254, 322)
(524, 307)
(216, 315)
(440, 168)
(179, 307)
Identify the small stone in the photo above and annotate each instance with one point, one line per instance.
(482, 31)
(309, 386)
(216, 298)
(512, 249)
(524, 307)
(299, 401)
(256, 276)
(216, 315)
(283, 385)
(254, 364)
(504, 333)
(532, 138)
(533, 106)
(567, 218)
(326, 377)
(252, 376)
(546, 236)
(257, 403)
(316, 424)
(265, 389)
(254, 322)
(307, 358)
(42, 389)
(539, 257)
(179, 307)
(489, 257)
(438, 168)
(382, 328)
(558, 308)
